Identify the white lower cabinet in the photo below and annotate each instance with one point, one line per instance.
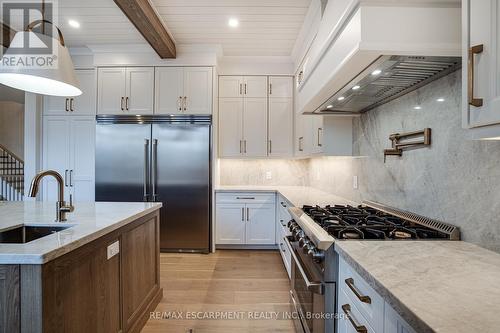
(362, 309)
(245, 219)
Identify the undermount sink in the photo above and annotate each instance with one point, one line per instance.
(25, 234)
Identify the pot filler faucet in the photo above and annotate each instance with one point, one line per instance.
(61, 207)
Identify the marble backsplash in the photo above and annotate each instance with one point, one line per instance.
(456, 180)
(253, 172)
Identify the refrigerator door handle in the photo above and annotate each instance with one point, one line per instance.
(154, 168)
(146, 168)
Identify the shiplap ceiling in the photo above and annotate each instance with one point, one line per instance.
(267, 27)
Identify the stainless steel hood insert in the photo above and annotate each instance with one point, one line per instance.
(387, 78)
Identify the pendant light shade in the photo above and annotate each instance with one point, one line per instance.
(50, 74)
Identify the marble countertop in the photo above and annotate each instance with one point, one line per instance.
(88, 222)
(436, 286)
(296, 195)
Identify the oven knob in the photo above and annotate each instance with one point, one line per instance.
(290, 223)
(317, 256)
(303, 241)
(297, 233)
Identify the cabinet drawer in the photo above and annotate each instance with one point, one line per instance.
(350, 318)
(284, 251)
(245, 197)
(369, 303)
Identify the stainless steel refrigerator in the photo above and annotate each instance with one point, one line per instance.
(160, 159)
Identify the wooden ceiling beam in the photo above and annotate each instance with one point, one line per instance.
(144, 17)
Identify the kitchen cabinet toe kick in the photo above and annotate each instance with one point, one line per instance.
(108, 285)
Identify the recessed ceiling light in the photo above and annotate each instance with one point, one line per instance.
(440, 100)
(329, 106)
(341, 98)
(74, 24)
(418, 107)
(376, 72)
(356, 87)
(233, 23)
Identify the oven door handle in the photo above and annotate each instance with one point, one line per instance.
(315, 287)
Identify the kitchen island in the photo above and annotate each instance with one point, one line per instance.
(97, 272)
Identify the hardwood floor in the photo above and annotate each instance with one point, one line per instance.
(250, 286)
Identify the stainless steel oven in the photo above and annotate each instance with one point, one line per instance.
(312, 296)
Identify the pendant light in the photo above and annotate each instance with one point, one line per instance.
(59, 80)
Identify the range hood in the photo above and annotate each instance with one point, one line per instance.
(369, 52)
(387, 78)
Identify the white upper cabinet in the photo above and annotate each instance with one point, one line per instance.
(266, 121)
(243, 86)
(140, 90)
(230, 86)
(111, 90)
(280, 125)
(280, 86)
(169, 90)
(198, 90)
(125, 90)
(231, 127)
(255, 86)
(255, 127)
(183, 90)
(481, 67)
(80, 105)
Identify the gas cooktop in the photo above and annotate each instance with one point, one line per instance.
(365, 222)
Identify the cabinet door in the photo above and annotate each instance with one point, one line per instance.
(169, 90)
(484, 18)
(280, 86)
(317, 134)
(198, 90)
(255, 86)
(230, 224)
(111, 90)
(303, 134)
(82, 156)
(54, 105)
(230, 126)
(56, 147)
(280, 127)
(260, 224)
(255, 127)
(230, 86)
(85, 103)
(140, 90)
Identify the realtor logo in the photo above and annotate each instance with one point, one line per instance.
(34, 44)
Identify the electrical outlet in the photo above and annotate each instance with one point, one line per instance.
(269, 175)
(355, 182)
(113, 249)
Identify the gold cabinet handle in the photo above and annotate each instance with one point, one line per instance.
(354, 289)
(359, 328)
(121, 103)
(300, 143)
(477, 49)
(126, 102)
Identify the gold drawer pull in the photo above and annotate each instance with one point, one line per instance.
(359, 328)
(362, 298)
(477, 49)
